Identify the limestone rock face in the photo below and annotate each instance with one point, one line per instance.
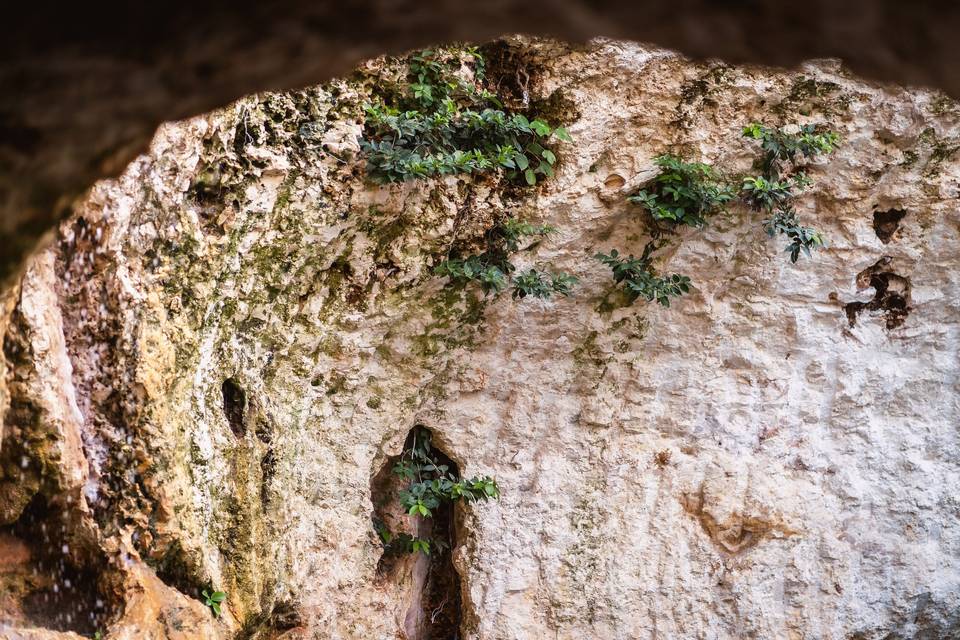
(227, 344)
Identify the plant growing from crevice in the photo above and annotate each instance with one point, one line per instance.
(688, 193)
(493, 271)
(784, 221)
(639, 278)
(779, 182)
(781, 148)
(764, 193)
(432, 483)
(397, 543)
(683, 192)
(439, 122)
(214, 600)
(542, 285)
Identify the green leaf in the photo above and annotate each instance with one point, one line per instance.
(561, 133)
(530, 177)
(540, 127)
(549, 156)
(522, 161)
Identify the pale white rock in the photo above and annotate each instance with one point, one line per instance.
(744, 464)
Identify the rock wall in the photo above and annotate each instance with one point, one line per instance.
(84, 86)
(228, 343)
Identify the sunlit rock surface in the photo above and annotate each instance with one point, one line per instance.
(227, 344)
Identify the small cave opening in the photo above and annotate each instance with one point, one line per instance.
(887, 223)
(271, 624)
(892, 295)
(434, 595)
(57, 585)
(234, 406)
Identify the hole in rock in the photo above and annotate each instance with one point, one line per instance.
(886, 223)
(433, 582)
(39, 567)
(511, 74)
(892, 296)
(614, 181)
(234, 405)
(272, 625)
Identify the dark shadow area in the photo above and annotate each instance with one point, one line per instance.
(270, 626)
(234, 406)
(887, 223)
(175, 570)
(36, 562)
(892, 295)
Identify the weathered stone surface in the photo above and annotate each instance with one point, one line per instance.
(748, 463)
(84, 86)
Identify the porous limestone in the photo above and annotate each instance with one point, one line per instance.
(752, 462)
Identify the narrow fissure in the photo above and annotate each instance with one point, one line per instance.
(234, 405)
(434, 612)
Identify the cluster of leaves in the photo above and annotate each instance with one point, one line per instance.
(214, 600)
(493, 271)
(640, 279)
(431, 484)
(785, 221)
(683, 192)
(781, 149)
(764, 193)
(542, 285)
(397, 543)
(777, 186)
(441, 124)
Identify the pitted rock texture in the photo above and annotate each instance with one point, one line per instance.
(242, 332)
(84, 86)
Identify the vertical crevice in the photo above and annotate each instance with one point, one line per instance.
(434, 612)
(234, 406)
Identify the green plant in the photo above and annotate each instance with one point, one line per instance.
(441, 124)
(406, 543)
(432, 483)
(773, 191)
(762, 193)
(542, 285)
(512, 231)
(785, 221)
(493, 271)
(477, 268)
(782, 148)
(214, 600)
(640, 279)
(683, 192)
